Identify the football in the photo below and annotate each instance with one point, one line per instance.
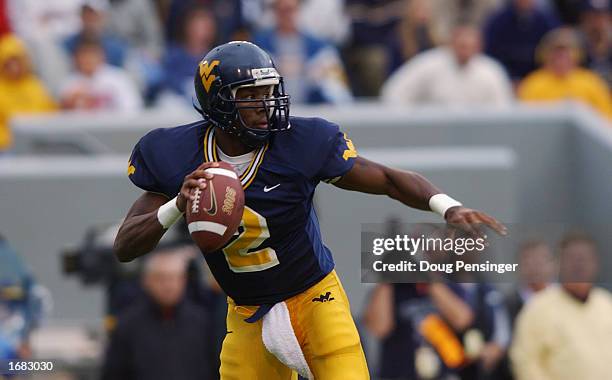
(215, 213)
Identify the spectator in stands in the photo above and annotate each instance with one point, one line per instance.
(312, 69)
(402, 314)
(21, 305)
(488, 337)
(95, 85)
(513, 33)
(596, 34)
(560, 77)
(20, 90)
(536, 272)
(136, 22)
(436, 329)
(454, 75)
(44, 26)
(564, 332)
(208, 294)
(44, 20)
(568, 10)
(227, 15)
(397, 313)
(325, 19)
(5, 23)
(166, 336)
(94, 15)
(373, 22)
(181, 60)
(415, 34)
(447, 13)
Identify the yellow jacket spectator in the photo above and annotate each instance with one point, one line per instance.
(20, 90)
(561, 78)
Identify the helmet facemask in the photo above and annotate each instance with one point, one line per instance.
(275, 107)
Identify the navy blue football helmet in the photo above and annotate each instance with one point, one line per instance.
(231, 66)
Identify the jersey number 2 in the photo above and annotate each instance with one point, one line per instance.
(243, 254)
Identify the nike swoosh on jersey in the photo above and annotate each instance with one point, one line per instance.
(266, 188)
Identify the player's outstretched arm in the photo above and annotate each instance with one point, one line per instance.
(152, 214)
(141, 230)
(414, 190)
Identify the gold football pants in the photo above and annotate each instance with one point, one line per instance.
(323, 325)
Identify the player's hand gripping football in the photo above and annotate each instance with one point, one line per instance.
(472, 221)
(196, 179)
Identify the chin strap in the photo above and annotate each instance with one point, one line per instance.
(198, 108)
(207, 118)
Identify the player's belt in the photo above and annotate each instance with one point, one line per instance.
(259, 314)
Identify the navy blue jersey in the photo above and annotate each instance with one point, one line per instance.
(277, 251)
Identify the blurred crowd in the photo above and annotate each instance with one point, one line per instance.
(554, 323)
(23, 304)
(165, 318)
(169, 328)
(123, 55)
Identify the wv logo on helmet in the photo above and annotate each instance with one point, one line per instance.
(205, 73)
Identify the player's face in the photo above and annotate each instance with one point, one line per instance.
(252, 113)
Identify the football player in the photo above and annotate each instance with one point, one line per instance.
(286, 306)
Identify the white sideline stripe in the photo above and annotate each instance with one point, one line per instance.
(221, 171)
(217, 228)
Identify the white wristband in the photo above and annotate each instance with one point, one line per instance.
(440, 203)
(168, 213)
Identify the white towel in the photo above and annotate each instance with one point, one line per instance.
(279, 338)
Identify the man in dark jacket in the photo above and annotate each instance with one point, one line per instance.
(513, 33)
(165, 336)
